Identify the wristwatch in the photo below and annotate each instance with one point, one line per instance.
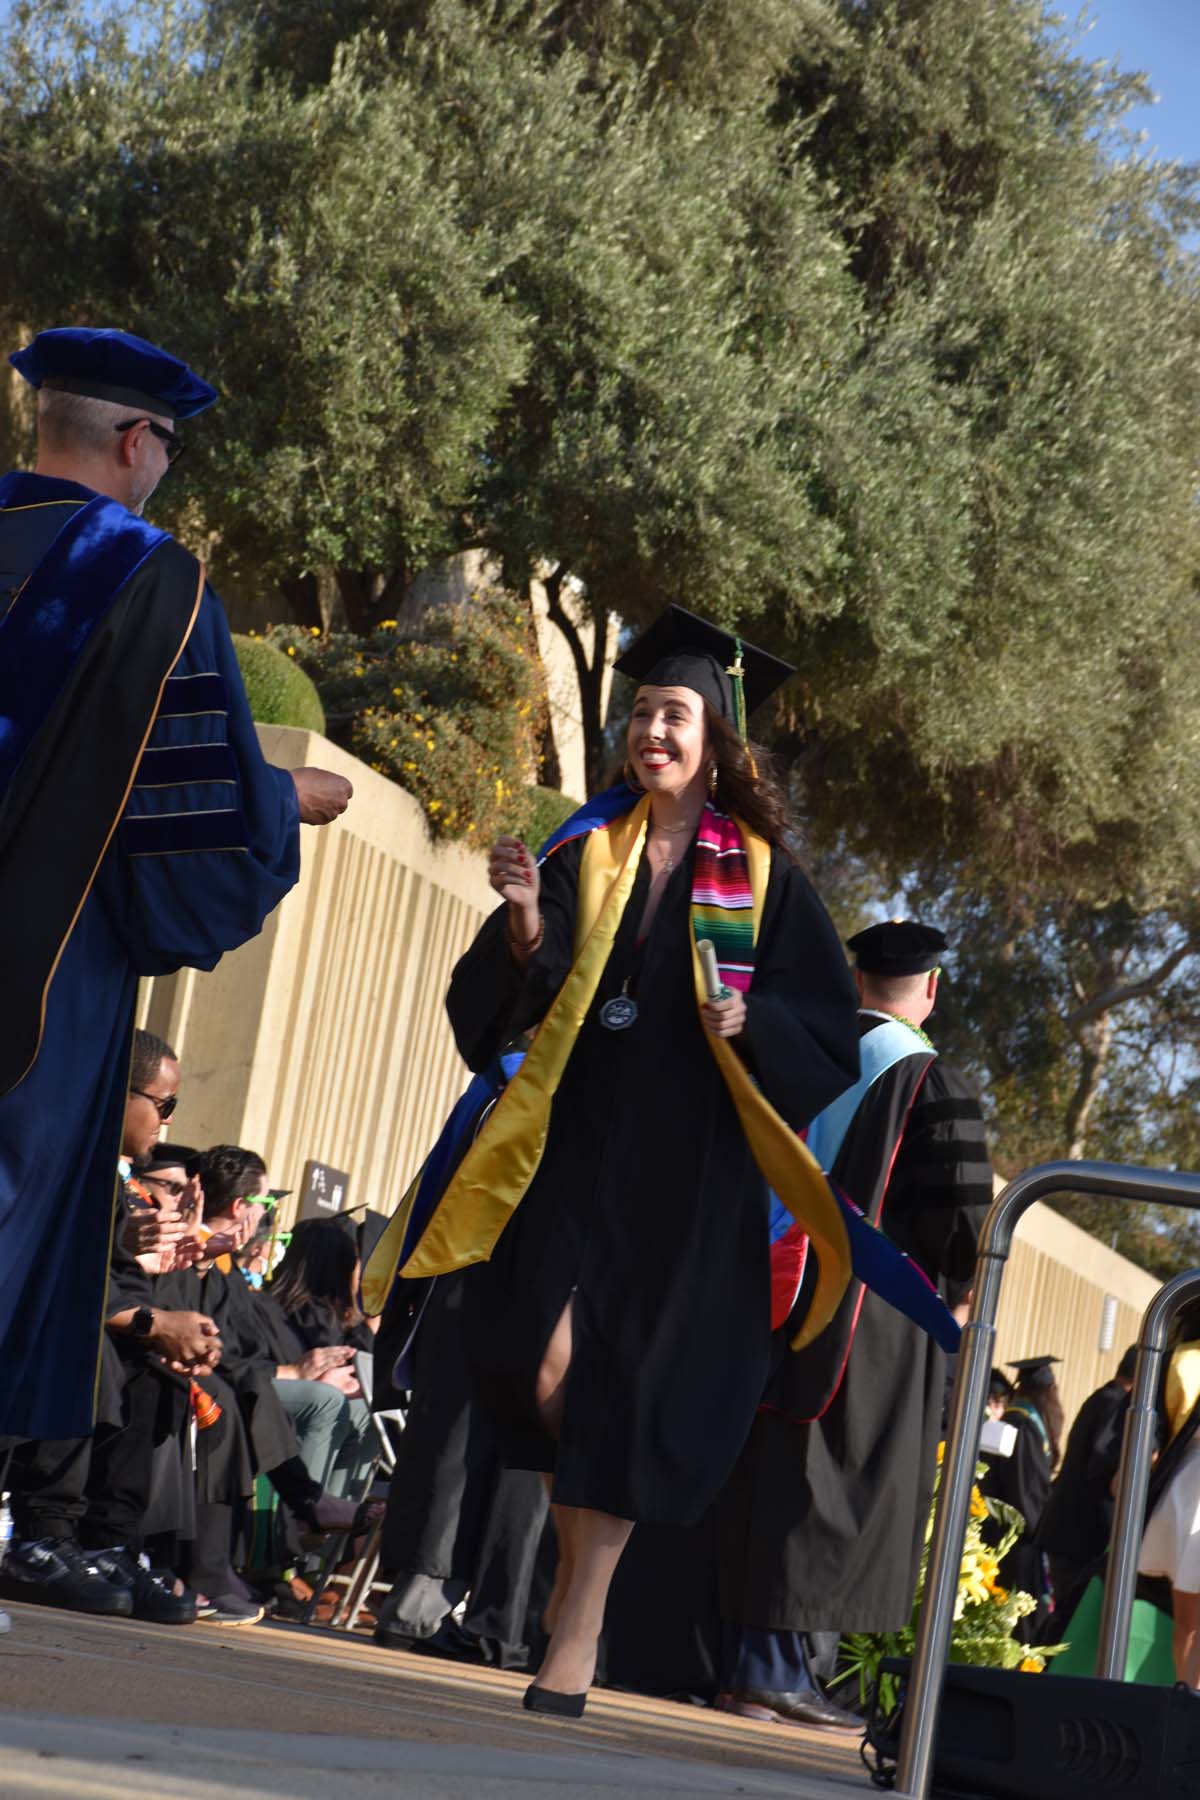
(142, 1322)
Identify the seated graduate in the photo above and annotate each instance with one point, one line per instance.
(85, 1509)
(309, 1311)
(234, 1186)
(620, 1330)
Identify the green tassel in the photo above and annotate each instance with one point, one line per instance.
(739, 690)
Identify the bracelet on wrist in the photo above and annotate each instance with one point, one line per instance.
(527, 947)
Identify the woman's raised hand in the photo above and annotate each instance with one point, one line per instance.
(514, 874)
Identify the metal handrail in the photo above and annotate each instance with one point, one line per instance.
(923, 1701)
(1137, 1455)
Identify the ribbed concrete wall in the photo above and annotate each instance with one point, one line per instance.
(1052, 1301)
(326, 1036)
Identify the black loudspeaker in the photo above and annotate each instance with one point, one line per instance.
(1009, 1736)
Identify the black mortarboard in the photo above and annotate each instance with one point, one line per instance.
(680, 650)
(1036, 1371)
(373, 1226)
(166, 1156)
(113, 365)
(897, 947)
(999, 1386)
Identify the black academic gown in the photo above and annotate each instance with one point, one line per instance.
(647, 1206)
(1075, 1525)
(313, 1325)
(247, 1364)
(1022, 1480)
(823, 1521)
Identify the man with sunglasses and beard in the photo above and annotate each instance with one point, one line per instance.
(82, 1505)
(141, 829)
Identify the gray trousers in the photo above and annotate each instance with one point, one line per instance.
(330, 1428)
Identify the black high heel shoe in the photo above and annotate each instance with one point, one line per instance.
(559, 1706)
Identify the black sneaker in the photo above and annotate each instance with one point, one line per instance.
(150, 1590)
(53, 1572)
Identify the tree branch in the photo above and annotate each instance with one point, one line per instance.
(1131, 990)
(590, 676)
(1091, 1072)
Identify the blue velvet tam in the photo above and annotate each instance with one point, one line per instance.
(113, 365)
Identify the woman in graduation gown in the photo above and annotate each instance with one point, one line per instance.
(620, 1331)
(1023, 1480)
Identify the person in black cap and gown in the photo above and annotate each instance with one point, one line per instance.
(1077, 1519)
(141, 830)
(1023, 1480)
(620, 1332)
(823, 1522)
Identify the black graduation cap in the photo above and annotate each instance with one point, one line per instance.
(680, 650)
(113, 365)
(1000, 1387)
(1036, 1371)
(897, 947)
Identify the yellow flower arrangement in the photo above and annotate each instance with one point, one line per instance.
(985, 1614)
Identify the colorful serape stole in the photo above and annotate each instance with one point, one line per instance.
(723, 898)
(730, 875)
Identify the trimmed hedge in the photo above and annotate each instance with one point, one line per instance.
(279, 691)
(543, 812)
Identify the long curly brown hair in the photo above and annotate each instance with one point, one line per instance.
(1048, 1402)
(748, 783)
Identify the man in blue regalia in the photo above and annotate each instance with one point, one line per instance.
(141, 829)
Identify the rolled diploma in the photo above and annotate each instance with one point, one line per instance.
(712, 974)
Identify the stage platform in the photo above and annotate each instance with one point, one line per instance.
(98, 1709)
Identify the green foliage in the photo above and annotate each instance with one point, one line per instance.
(448, 712)
(541, 810)
(850, 321)
(985, 1614)
(1079, 1023)
(1012, 659)
(279, 693)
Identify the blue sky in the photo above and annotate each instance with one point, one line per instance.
(1161, 37)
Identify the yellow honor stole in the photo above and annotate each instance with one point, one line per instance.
(495, 1173)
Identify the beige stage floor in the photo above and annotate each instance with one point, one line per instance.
(96, 1709)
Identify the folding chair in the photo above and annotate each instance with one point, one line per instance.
(359, 1582)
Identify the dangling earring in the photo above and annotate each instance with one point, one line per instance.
(631, 779)
(712, 782)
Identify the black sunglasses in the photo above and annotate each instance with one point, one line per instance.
(163, 1107)
(173, 1188)
(175, 445)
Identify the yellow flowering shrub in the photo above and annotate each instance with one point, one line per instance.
(447, 711)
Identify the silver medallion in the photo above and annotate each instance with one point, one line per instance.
(619, 1013)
